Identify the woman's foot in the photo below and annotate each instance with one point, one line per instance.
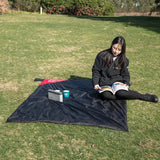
(150, 98)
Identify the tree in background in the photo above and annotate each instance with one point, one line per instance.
(4, 6)
(25, 5)
(109, 6)
(133, 5)
(157, 6)
(33, 5)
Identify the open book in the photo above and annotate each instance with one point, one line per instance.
(114, 88)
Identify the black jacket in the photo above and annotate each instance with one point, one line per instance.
(103, 75)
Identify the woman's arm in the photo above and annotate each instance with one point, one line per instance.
(125, 74)
(96, 69)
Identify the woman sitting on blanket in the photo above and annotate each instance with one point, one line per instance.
(110, 75)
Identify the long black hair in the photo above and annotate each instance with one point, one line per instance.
(121, 58)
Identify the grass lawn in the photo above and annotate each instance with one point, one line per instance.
(58, 46)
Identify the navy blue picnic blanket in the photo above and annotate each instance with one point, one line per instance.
(83, 107)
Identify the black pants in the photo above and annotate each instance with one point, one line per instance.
(122, 94)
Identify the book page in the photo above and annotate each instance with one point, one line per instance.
(119, 86)
(105, 88)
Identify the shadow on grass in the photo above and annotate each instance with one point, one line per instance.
(147, 22)
(73, 77)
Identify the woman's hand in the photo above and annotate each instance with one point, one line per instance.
(97, 87)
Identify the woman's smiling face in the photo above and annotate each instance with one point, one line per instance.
(116, 49)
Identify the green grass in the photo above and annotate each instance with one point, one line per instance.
(57, 46)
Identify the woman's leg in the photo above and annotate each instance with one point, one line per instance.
(106, 95)
(123, 94)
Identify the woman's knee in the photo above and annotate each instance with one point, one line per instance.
(121, 94)
(107, 95)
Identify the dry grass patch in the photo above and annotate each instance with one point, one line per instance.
(70, 49)
(9, 86)
(150, 144)
(67, 49)
(63, 63)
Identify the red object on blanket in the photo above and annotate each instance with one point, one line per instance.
(47, 81)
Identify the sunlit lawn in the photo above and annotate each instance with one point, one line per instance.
(58, 46)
